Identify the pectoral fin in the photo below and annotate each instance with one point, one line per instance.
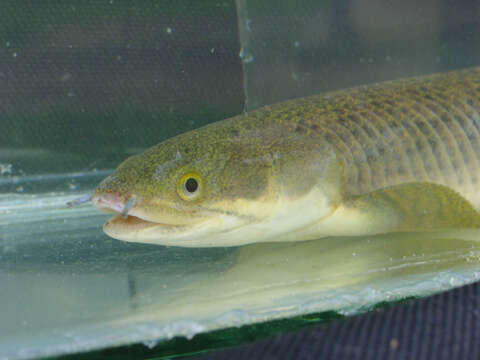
(412, 207)
(418, 207)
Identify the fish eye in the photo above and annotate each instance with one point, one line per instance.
(189, 186)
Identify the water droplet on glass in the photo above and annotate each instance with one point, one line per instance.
(245, 56)
(249, 23)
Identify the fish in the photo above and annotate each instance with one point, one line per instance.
(397, 156)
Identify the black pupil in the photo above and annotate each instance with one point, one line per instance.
(191, 185)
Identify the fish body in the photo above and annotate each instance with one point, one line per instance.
(396, 156)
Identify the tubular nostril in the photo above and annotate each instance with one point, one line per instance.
(128, 205)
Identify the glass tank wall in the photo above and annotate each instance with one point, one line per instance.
(85, 84)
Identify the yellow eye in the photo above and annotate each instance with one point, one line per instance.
(190, 186)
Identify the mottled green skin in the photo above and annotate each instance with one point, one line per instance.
(419, 130)
(238, 158)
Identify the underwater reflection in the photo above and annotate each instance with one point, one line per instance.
(272, 280)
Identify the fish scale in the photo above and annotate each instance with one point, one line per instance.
(421, 129)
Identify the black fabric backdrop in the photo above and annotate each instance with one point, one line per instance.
(443, 326)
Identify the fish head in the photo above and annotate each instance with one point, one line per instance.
(221, 186)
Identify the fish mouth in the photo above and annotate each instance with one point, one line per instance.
(132, 224)
(127, 215)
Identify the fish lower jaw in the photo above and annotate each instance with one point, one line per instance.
(122, 228)
(198, 234)
(134, 229)
(216, 232)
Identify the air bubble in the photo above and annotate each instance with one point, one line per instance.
(245, 56)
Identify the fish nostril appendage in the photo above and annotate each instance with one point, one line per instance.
(128, 205)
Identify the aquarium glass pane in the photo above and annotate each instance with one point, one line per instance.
(298, 48)
(85, 84)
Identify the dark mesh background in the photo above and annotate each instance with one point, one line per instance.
(444, 326)
(109, 78)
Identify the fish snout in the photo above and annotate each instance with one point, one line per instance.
(113, 202)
